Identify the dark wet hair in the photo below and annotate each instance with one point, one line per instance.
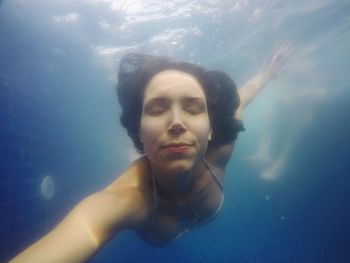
(135, 72)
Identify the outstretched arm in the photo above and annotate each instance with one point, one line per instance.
(77, 238)
(88, 226)
(272, 68)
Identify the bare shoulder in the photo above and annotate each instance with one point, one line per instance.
(135, 175)
(125, 203)
(112, 211)
(131, 191)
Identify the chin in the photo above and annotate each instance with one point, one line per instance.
(179, 166)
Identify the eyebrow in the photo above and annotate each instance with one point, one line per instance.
(157, 100)
(165, 100)
(190, 100)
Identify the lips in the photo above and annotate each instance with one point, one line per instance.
(176, 144)
(176, 147)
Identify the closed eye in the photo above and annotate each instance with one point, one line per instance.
(156, 106)
(194, 109)
(194, 105)
(156, 110)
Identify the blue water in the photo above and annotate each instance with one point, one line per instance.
(287, 187)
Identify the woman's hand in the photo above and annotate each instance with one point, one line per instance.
(271, 69)
(276, 63)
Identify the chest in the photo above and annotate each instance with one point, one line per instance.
(176, 217)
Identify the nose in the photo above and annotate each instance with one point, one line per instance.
(176, 125)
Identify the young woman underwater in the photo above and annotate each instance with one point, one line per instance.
(184, 120)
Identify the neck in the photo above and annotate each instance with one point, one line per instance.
(177, 184)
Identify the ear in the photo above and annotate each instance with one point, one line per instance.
(210, 135)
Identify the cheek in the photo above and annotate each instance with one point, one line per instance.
(202, 129)
(149, 131)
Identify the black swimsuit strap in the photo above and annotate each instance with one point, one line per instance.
(154, 198)
(213, 174)
(154, 189)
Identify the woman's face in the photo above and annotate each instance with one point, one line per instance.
(175, 126)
